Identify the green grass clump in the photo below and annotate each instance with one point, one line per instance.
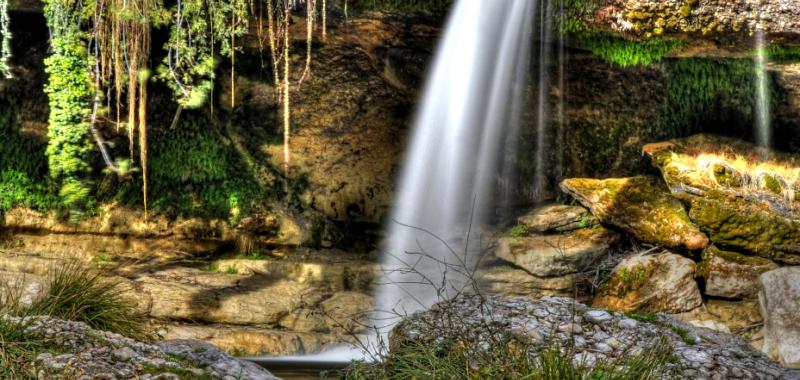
(509, 360)
(76, 293)
(783, 53)
(517, 231)
(644, 316)
(626, 52)
(711, 95)
(685, 335)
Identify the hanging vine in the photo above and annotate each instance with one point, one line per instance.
(69, 89)
(5, 41)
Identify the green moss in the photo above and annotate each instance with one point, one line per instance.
(361, 6)
(517, 231)
(626, 52)
(710, 95)
(783, 53)
(772, 184)
(627, 280)
(726, 176)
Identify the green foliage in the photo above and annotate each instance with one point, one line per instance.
(194, 172)
(517, 231)
(510, 360)
(17, 189)
(701, 89)
(576, 12)
(358, 6)
(70, 92)
(783, 53)
(5, 41)
(76, 293)
(626, 52)
(684, 334)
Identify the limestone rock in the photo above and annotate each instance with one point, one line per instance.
(602, 334)
(641, 206)
(726, 315)
(731, 274)
(658, 283)
(253, 341)
(508, 281)
(557, 218)
(780, 307)
(742, 196)
(557, 255)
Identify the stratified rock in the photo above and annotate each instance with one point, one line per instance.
(780, 307)
(641, 206)
(557, 255)
(741, 195)
(726, 315)
(477, 322)
(731, 274)
(557, 218)
(85, 353)
(508, 281)
(657, 283)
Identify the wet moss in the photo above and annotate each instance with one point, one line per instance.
(772, 185)
(726, 176)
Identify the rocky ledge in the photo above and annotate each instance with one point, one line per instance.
(591, 335)
(80, 352)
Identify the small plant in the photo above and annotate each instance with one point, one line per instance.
(685, 334)
(77, 293)
(517, 231)
(643, 316)
(231, 270)
(255, 255)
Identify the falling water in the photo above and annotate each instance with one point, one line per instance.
(762, 109)
(470, 105)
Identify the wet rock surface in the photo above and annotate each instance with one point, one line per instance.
(652, 283)
(603, 335)
(557, 218)
(87, 353)
(640, 206)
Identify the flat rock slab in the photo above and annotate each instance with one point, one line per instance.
(557, 255)
(509, 281)
(731, 274)
(557, 218)
(656, 283)
(780, 307)
(746, 198)
(641, 206)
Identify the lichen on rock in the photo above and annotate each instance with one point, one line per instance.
(641, 206)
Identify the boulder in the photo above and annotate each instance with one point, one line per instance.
(557, 218)
(727, 315)
(780, 306)
(557, 255)
(742, 196)
(657, 283)
(589, 333)
(731, 274)
(641, 206)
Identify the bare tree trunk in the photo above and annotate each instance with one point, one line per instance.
(286, 88)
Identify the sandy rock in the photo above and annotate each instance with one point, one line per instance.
(641, 206)
(509, 281)
(557, 255)
(557, 218)
(658, 283)
(731, 274)
(780, 306)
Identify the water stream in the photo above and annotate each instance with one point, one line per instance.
(762, 110)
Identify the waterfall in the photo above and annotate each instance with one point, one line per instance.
(762, 107)
(470, 106)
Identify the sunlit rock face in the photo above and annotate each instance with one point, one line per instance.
(744, 197)
(657, 17)
(640, 206)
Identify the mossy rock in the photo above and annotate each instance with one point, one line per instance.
(742, 196)
(641, 206)
(657, 283)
